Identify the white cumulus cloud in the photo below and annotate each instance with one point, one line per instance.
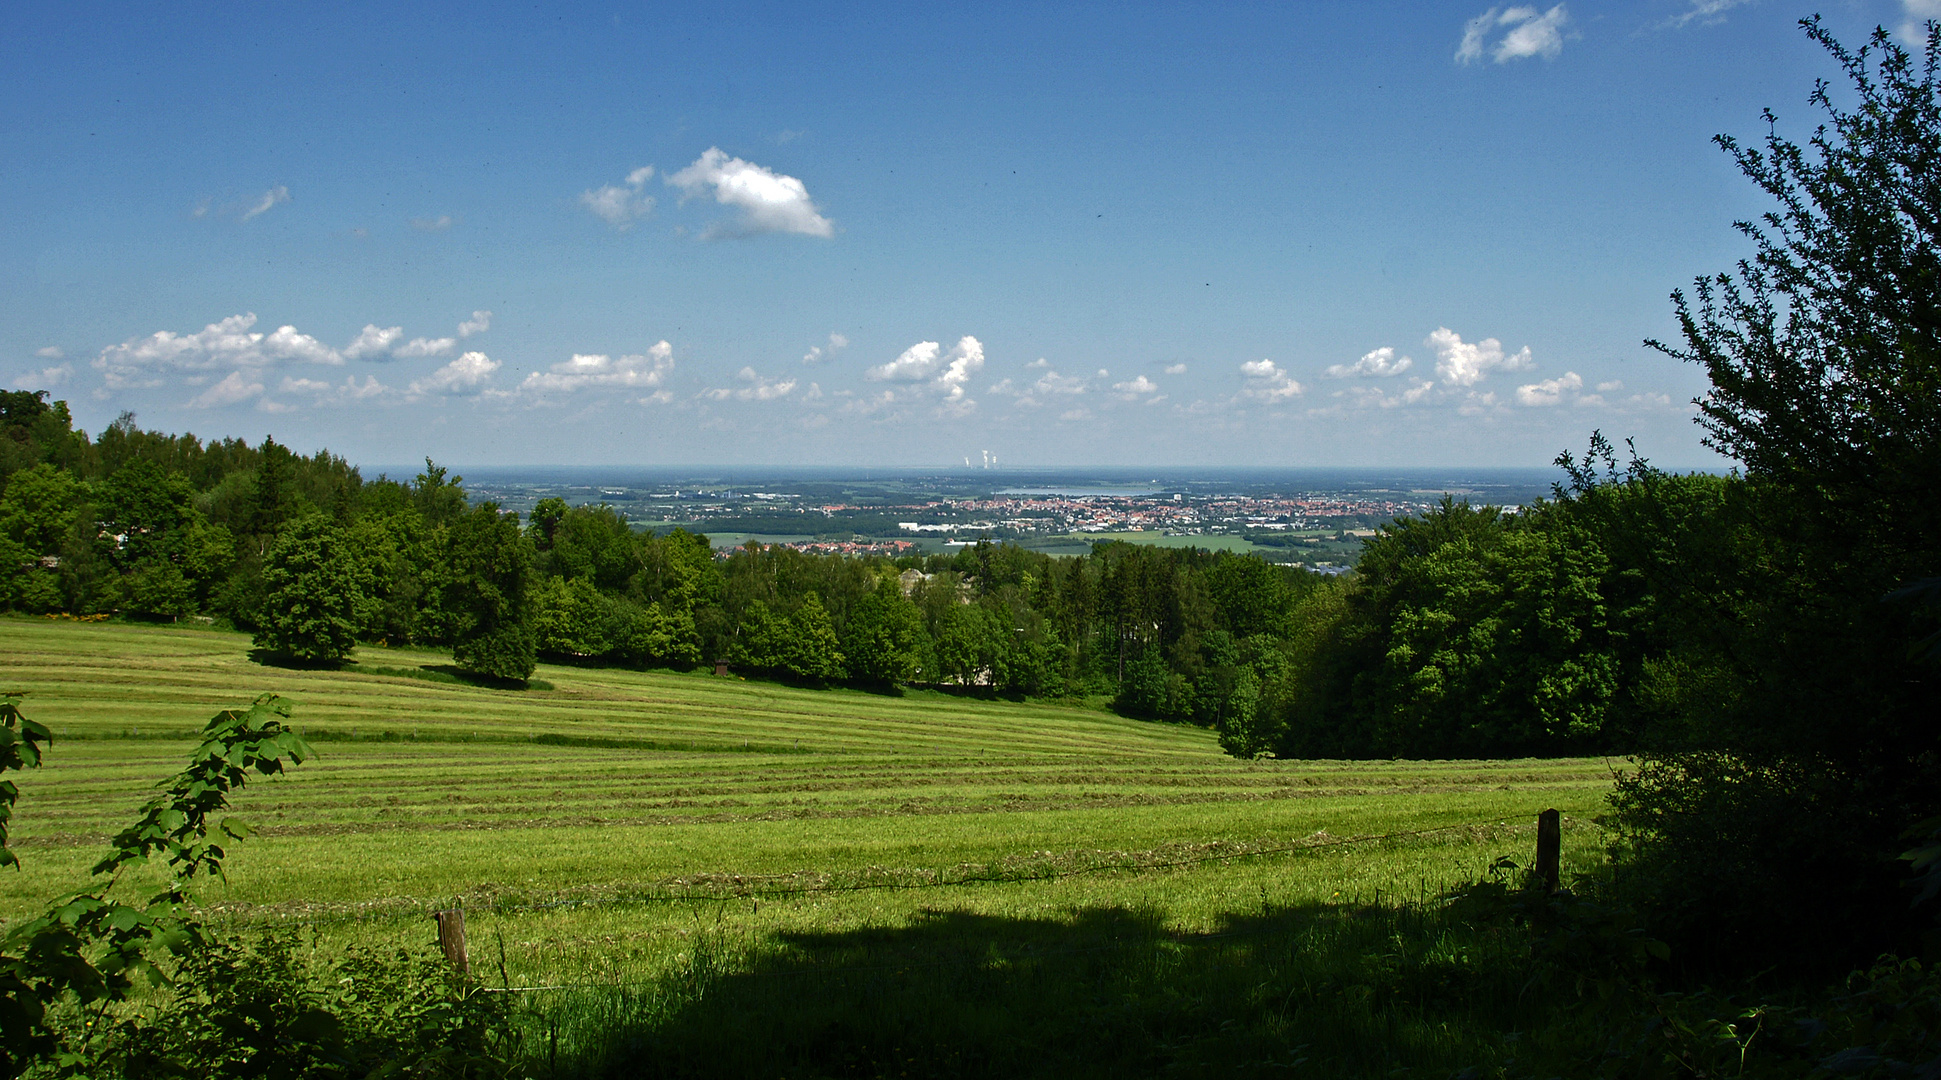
(583, 371)
(47, 378)
(1175, 369)
(1524, 32)
(1461, 363)
(479, 323)
(234, 388)
(819, 353)
(1549, 391)
(418, 347)
(620, 205)
(946, 374)
(145, 361)
(758, 388)
(1380, 363)
(373, 340)
(1267, 381)
(769, 201)
(329, 394)
(464, 376)
(50, 352)
(1136, 387)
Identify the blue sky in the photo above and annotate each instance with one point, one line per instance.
(889, 235)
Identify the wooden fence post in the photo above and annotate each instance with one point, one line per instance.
(451, 938)
(1550, 848)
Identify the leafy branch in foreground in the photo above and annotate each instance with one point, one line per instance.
(20, 740)
(92, 950)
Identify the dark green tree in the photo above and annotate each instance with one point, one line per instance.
(809, 648)
(487, 594)
(883, 637)
(1824, 353)
(316, 593)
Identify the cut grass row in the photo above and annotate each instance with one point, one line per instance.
(754, 810)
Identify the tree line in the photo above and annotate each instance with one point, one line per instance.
(312, 558)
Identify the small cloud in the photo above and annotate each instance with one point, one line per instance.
(759, 389)
(1608, 387)
(1175, 369)
(1134, 388)
(1374, 397)
(783, 138)
(1041, 362)
(584, 370)
(328, 394)
(50, 352)
(463, 377)
(419, 347)
(769, 201)
(1914, 27)
(479, 323)
(1268, 382)
(620, 206)
(1053, 383)
(437, 224)
(47, 378)
(819, 353)
(273, 197)
(658, 397)
(1710, 12)
(1460, 363)
(1381, 363)
(236, 387)
(1528, 34)
(373, 340)
(1075, 414)
(1549, 391)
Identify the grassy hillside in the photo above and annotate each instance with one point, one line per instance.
(686, 806)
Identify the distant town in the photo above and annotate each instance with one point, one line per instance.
(1315, 521)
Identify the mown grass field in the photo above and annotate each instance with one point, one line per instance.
(597, 831)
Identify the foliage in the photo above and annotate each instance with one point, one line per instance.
(88, 949)
(20, 748)
(488, 596)
(317, 593)
(266, 1008)
(1808, 745)
(883, 638)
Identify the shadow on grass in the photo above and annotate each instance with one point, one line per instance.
(293, 663)
(1103, 992)
(450, 674)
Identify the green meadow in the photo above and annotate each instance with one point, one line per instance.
(620, 833)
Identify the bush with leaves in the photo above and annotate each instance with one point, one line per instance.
(270, 1007)
(89, 948)
(226, 1010)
